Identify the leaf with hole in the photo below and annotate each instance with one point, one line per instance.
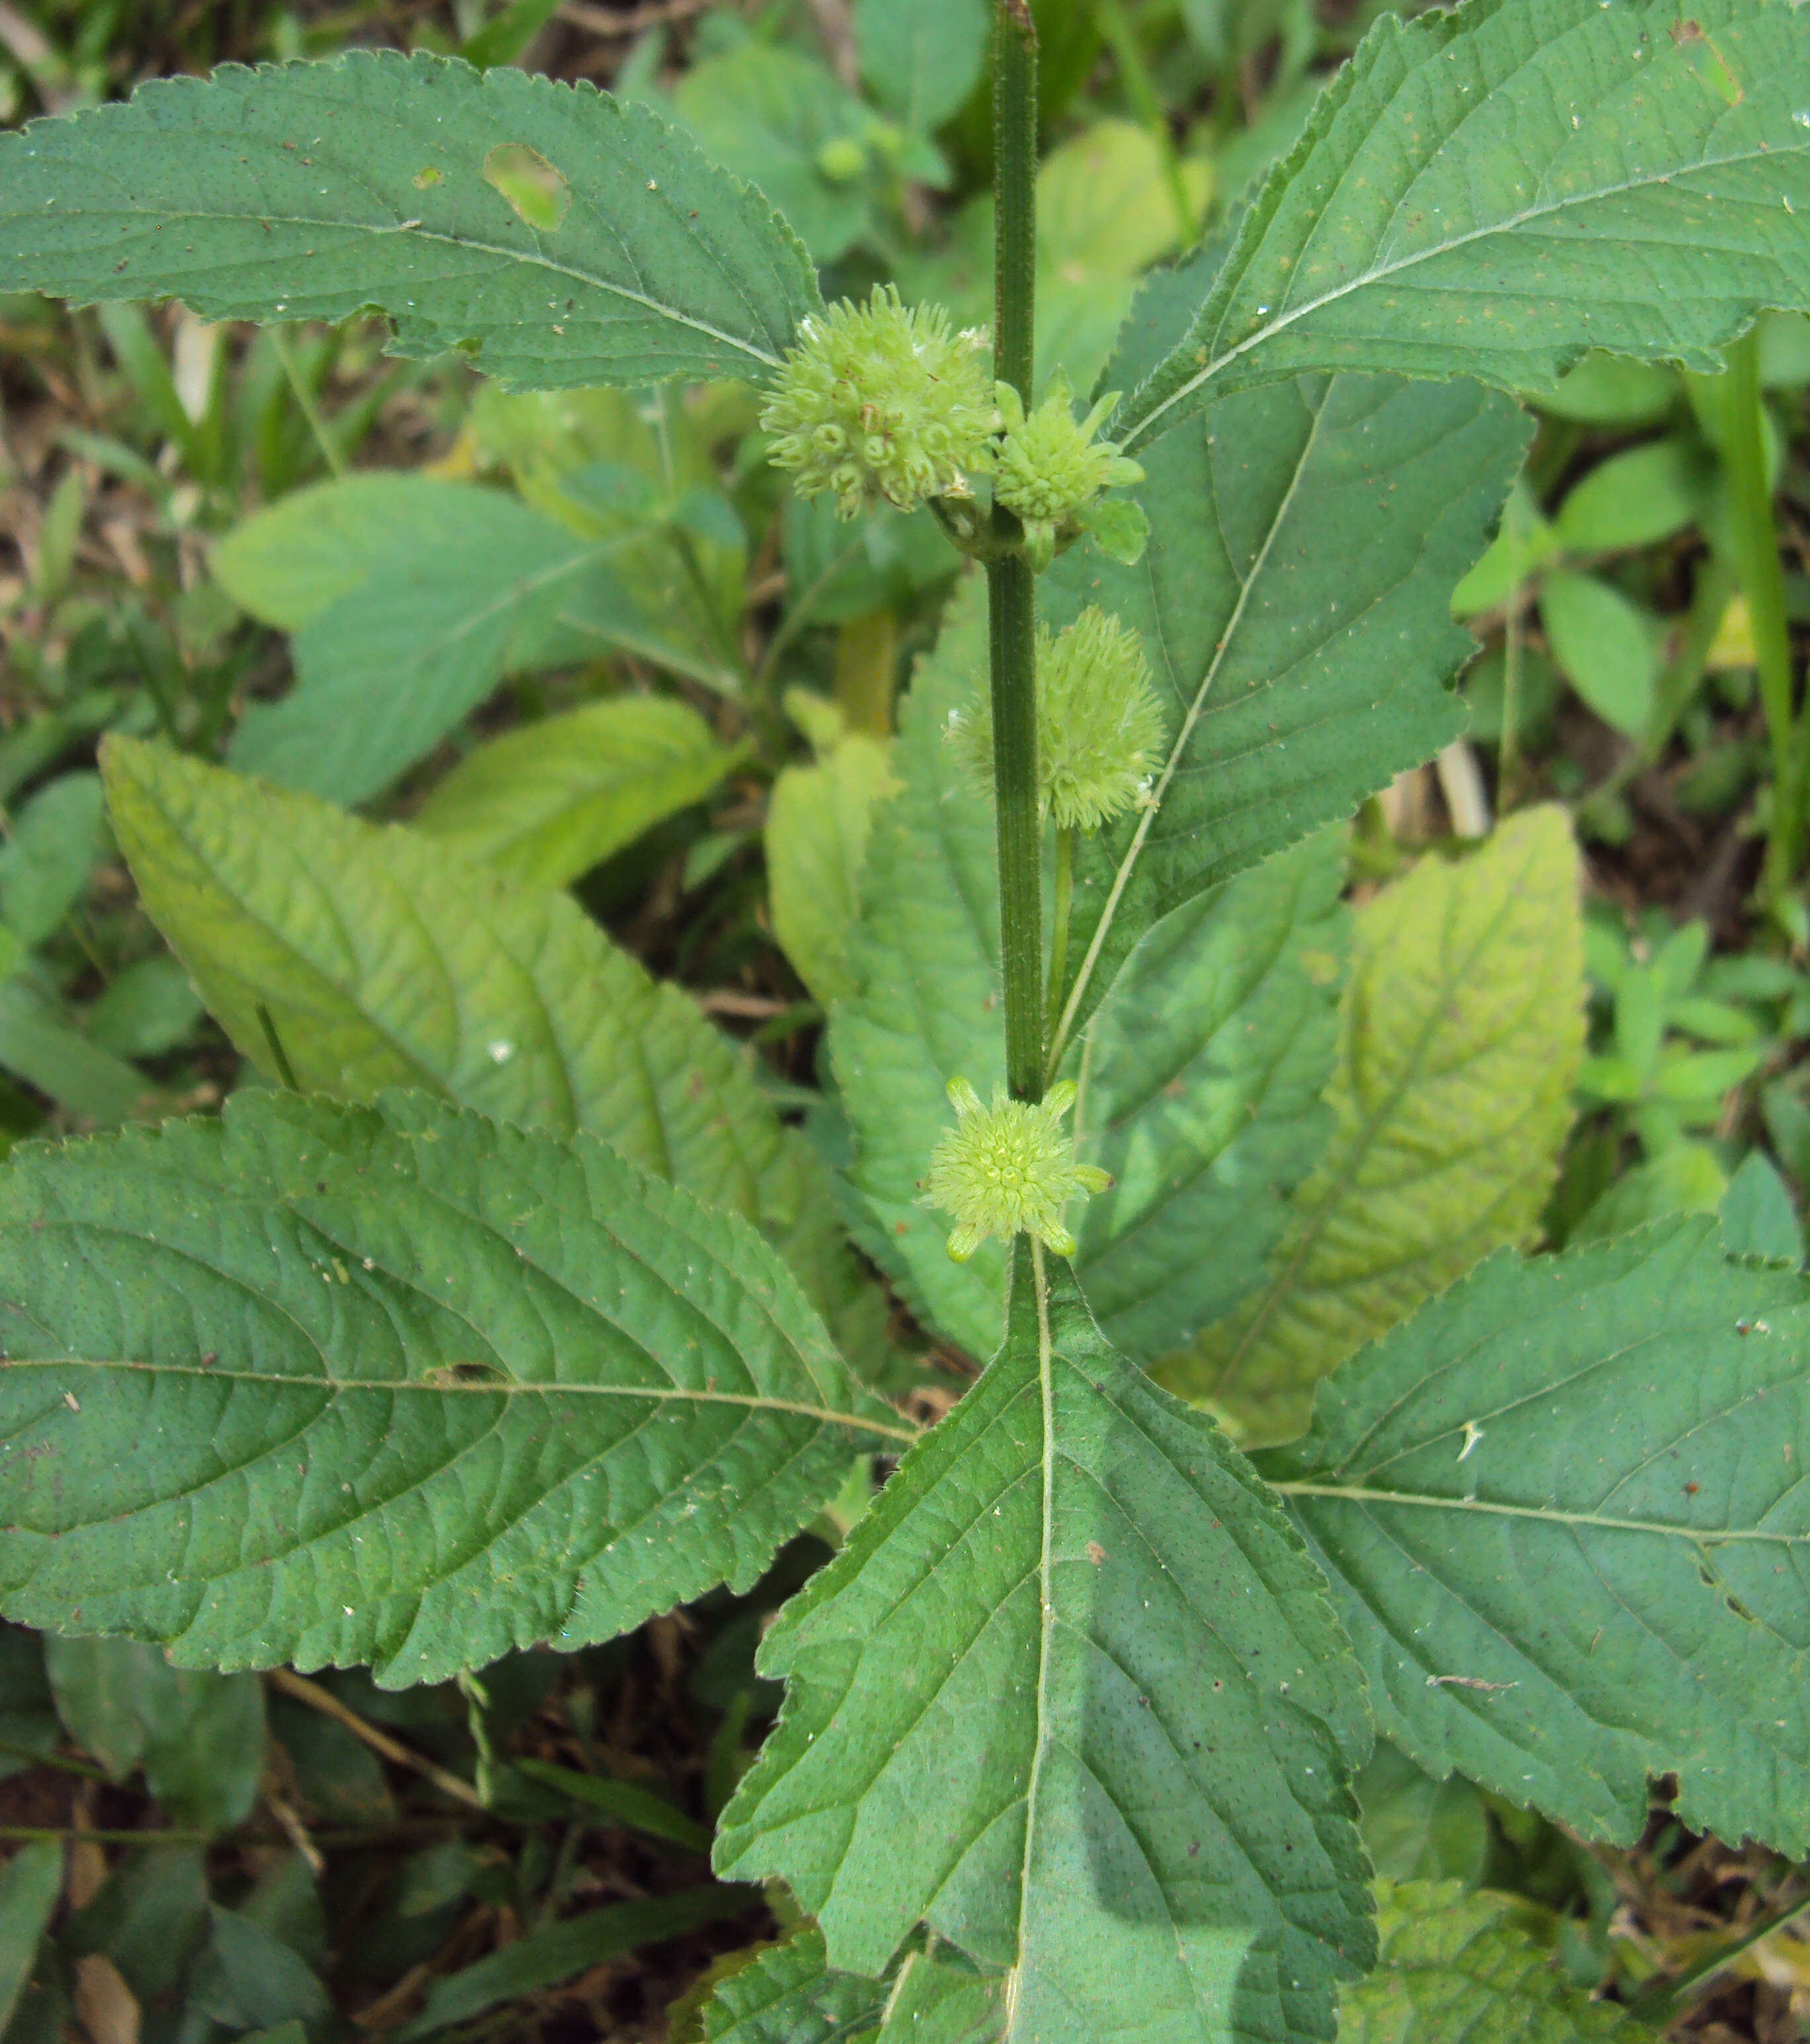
(413, 184)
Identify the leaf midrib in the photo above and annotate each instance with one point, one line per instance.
(1698, 1536)
(492, 1387)
(1145, 428)
(1364, 1139)
(1121, 879)
(434, 236)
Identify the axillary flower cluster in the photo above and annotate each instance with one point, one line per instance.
(884, 401)
(1007, 1170)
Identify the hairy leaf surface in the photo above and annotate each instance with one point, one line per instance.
(1564, 1515)
(383, 960)
(311, 191)
(1293, 606)
(1461, 1031)
(789, 1993)
(1456, 1968)
(1070, 1694)
(1490, 191)
(326, 1384)
(1199, 1084)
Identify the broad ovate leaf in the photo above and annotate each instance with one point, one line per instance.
(548, 800)
(1293, 601)
(399, 1386)
(1071, 1696)
(1461, 1031)
(1492, 189)
(1462, 1967)
(381, 959)
(1199, 1082)
(563, 237)
(1563, 1512)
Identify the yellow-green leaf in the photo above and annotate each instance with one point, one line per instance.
(817, 843)
(1462, 1030)
(547, 802)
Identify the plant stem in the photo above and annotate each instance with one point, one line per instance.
(1059, 926)
(1011, 584)
(303, 392)
(1762, 582)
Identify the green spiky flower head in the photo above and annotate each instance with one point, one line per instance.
(1007, 1170)
(1099, 727)
(1050, 467)
(881, 401)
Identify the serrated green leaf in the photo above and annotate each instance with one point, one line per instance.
(817, 825)
(322, 1384)
(1563, 1512)
(383, 960)
(310, 191)
(1460, 1034)
(782, 1993)
(1293, 604)
(1492, 190)
(1460, 1969)
(1417, 1829)
(1201, 1069)
(1070, 1695)
(549, 801)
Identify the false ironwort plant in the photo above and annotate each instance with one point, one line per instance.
(414, 1378)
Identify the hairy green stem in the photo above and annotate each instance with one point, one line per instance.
(1012, 609)
(1763, 580)
(1058, 926)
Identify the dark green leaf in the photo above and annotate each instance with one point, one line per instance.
(1070, 1695)
(310, 191)
(1491, 191)
(320, 1384)
(1293, 601)
(1564, 1514)
(1202, 1075)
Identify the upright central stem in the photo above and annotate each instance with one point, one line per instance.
(1012, 614)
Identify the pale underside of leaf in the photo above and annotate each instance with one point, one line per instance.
(324, 1384)
(381, 960)
(1293, 602)
(1493, 191)
(1564, 1512)
(1461, 1031)
(1070, 1695)
(311, 191)
(1198, 1082)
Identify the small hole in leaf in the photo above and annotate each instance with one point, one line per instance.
(538, 193)
(425, 176)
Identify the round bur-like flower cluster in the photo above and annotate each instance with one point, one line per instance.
(1049, 467)
(1007, 1169)
(1099, 727)
(881, 401)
